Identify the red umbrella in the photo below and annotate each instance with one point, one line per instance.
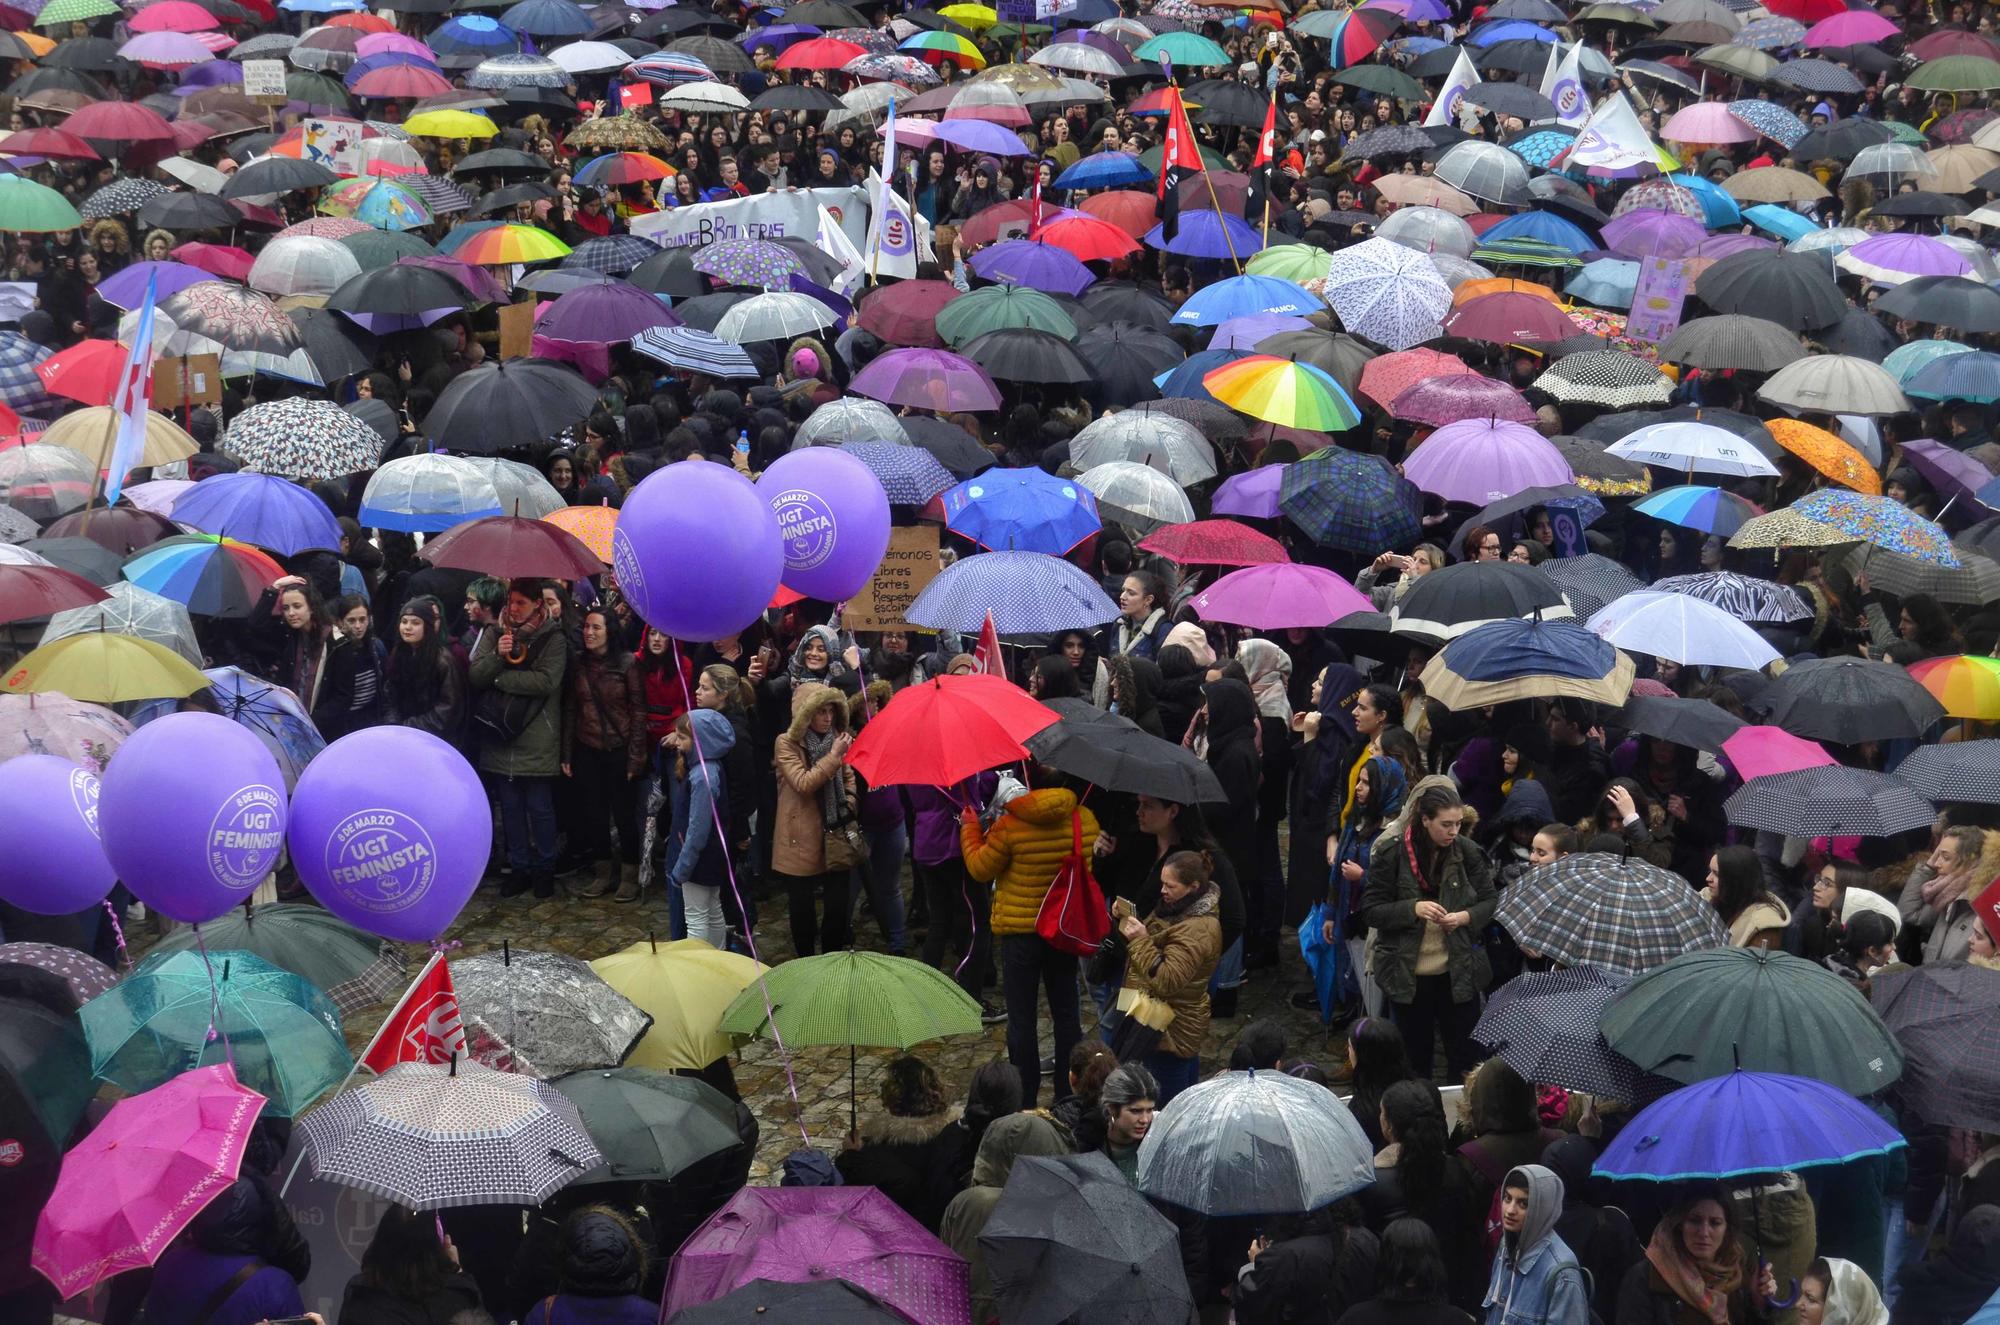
(1006, 220)
(945, 730)
(1508, 318)
(1214, 543)
(119, 122)
(1088, 239)
(365, 22)
(47, 142)
(39, 591)
(86, 371)
(906, 313)
(232, 264)
(1387, 376)
(1441, 400)
(402, 81)
(512, 548)
(1130, 210)
(820, 53)
(1807, 11)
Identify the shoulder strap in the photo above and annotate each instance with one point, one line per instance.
(1076, 831)
(220, 1297)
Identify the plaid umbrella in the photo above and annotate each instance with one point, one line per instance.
(696, 351)
(1353, 502)
(1605, 377)
(1742, 596)
(909, 474)
(1975, 582)
(1385, 292)
(120, 197)
(1544, 1025)
(20, 386)
(1590, 582)
(302, 438)
(541, 1014)
(1830, 801)
(1947, 1020)
(613, 255)
(434, 1138)
(1621, 914)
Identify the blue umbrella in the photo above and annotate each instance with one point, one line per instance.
(474, 34)
(1028, 593)
(1745, 1122)
(1608, 283)
(1208, 234)
(271, 713)
(1184, 381)
(1245, 296)
(1542, 146)
(1783, 222)
(909, 474)
(1544, 226)
(263, 509)
(1104, 170)
(1527, 659)
(1509, 30)
(1022, 510)
(547, 18)
(20, 387)
(1988, 1314)
(1906, 359)
(1718, 208)
(1973, 376)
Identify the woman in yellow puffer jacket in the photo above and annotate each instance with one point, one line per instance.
(1022, 852)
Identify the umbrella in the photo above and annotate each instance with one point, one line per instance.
(1071, 1238)
(1250, 1142)
(1027, 592)
(1795, 291)
(1744, 1123)
(1618, 913)
(1176, 449)
(850, 419)
(1829, 455)
(210, 575)
(508, 406)
(83, 556)
(1458, 599)
(1483, 460)
(1968, 772)
(927, 379)
(695, 351)
(102, 667)
(1505, 660)
(513, 547)
(1387, 376)
(258, 508)
(40, 591)
(1943, 1017)
(1214, 543)
(992, 308)
(1743, 597)
(1880, 522)
(1021, 510)
(1947, 301)
(777, 315)
(650, 1125)
(684, 986)
(1590, 582)
(1708, 1013)
(182, 1009)
(302, 438)
(1543, 1024)
(1031, 263)
(1281, 596)
(356, 969)
(1283, 392)
(1609, 378)
(1137, 496)
(1681, 629)
(944, 731)
(155, 1161)
(792, 1234)
(831, 1301)
(1850, 700)
(1438, 401)
(130, 610)
(432, 1138)
(1757, 751)
(1244, 296)
(427, 494)
(1255, 493)
(1388, 293)
(1021, 354)
(1695, 723)
(910, 476)
(1114, 753)
(45, 482)
(1829, 801)
(541, 1014)
(271, 713)
(1689, 446)
(77, 978)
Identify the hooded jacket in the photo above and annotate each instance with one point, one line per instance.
(537, 751)
(1536, 1279)
(1601, 1236)
(1023, 850)
(245, 1225)
(895, 1155)
(700, 796)
(1950, 1289)
(1006, 1140)
(798, 843)
(1172, 961)
(1232, 754)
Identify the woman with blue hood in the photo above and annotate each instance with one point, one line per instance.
(700, 866)
(1536, 1279)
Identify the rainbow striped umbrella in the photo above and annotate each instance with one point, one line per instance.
(1280, 391)
(506, 244)
(938, 47)
(1967, 685)
(211, 575)
(622, 168)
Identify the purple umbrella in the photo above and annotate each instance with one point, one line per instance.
(1254, 494)
(1032, 263)
(1724, 246)
(210, 73)
(1482, 460)
(980, 136)
(777, 36)
(927, 379)
(1243, 333)
(1280, 596)
(794, 1235)
(1442, 400)
(1953, 473)
(603, 314)
(480, 283)
(127, 289)
(1646, 233)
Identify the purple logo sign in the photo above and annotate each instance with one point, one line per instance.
(382, 859)
(246, 835)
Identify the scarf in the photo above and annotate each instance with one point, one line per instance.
(1176, 910)
(527, 627)
(1424, 883)
(1706, 1288)
(1941, 890)
(833, 793)
(1270, 670)
(836, 666)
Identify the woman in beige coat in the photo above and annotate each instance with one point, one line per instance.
(1168, 960)
(815, 792)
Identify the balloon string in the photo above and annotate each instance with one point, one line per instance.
(117, 933)
(214, 1002)
(729, 868)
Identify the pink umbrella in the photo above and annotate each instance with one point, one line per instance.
(1761, 751)
(1647, 233)
(927, 379)
(1442, 400)
(159, 495)
(1254, 494)
(1277, 597)
(1480, 461)
(224, 260)
(1707, 122)
(172, 16)
(165, 50)
(393, 43)
(1856, 27)
(148, 1169)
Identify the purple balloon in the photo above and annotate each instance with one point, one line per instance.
(697, 551)
(833, 517)
(390, 831)
(48, 837)
(193, 815)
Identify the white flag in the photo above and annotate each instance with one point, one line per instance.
(830, 238)
(1463, 78)
(1611, 139)
(892, 236)
(1563, 84)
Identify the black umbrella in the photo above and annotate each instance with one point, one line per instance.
(950, 445)
(724, 57)
(512, 195)
(1517, 55)
(397, 289)
(703, 311)
(1116, 754)
(1071, 1239)
(189, 211)
(538, 98)
(1849, 700)
(44, 1085)
(1968, 772)
(1123, 301)
(1922, 203)
(669, 272)
(57, 80)
(821, 267)
(336, 346)
(1587, 460)
(1823, 77)
(1829, 801)
(1389, 140)
(502, 161)
(1860, 335)
(1552, 193)
(1367, 635)
(1447, 603)
(1523, 103)
(79, 556)
(649, 1124)
(1334, 353)
(1543, 1024)
(1125, 358)
(824, 14)
(683, 19)
(1591, 582)
(1025, 354)
(508, 406)
(1948, 301)
(1695, 723)
(1217, 422)
(93, 55)
(1734, 341)
(821, 1301)
(1435, 64)
(1795, 290)
(1867, 59)
(1842, 140)
(795, 97)
(277, 174)
(1227, 101)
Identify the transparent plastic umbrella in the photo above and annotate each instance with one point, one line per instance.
(428, 494)
(1254, 1143)
(522, 489)
(131, 610)
(850, 419)
(1137, 495)
(1173, 447)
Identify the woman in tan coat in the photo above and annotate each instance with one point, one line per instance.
(1168, 959)
(815, 792)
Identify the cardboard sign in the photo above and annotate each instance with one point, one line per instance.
(910, 563)
(517, 331)
(264, 80)
(195, 379)
(1656, 303)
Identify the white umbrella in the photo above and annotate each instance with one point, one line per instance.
(1388, 293)
(12, 554)
(1836, 384)
(590, 57)
(1137, 495)
(371, 152)
(1984, 269)
(201, 178)
(159, 495)
(133, 611)
(705, 96)
(1254, 1143)
(1681, 629)
(428, 494)
(1486, 170)
(1172, 446)
(522, 489)
(776, 315)
(1693, 446)
(303, 264)
(1076, 58)
(1429, 230)
(850, 419)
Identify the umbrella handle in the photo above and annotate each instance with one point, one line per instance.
(1775, 1303)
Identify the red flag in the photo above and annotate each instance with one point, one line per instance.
(988, 650)
(1181, 158)
(1035, 207)
(425, 1027)
(1987, 907)
(1267, 142)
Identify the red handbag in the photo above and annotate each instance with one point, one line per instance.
(1074, 918)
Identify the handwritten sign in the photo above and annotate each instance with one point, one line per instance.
(264, 79)
(910, 563)
(1656, 303)
(517, 331)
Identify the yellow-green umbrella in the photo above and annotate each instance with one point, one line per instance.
(1280, 391)
(450, 124)
(1297, 263)
(105, 668)
(685, 986)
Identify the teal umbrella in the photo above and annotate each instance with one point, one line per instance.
(1707, 1013)
(283, 1035)
(649, 1124)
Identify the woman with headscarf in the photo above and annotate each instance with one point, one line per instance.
(1697, 1271)
(1837, 1292)
(1269, 669)
(980, 191)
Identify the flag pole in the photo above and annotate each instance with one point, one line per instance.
(1214, 201)
(1271, 119)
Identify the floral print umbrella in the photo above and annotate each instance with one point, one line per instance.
(251, 331)
(756, 262)
(301, 438)
(1879, 522)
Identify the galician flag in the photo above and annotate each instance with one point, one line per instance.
(1563, 84)
(132, 398)
(1611, 139)
(1462, 80)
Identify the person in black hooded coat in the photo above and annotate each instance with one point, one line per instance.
(1232, 754)
(1324, 748)
(1950, 1289)
(603, 1272)
(1601, 1235)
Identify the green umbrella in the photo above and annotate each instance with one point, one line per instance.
(381, 248)
(283, 1035)
(312, 88)
(30, 207)
(1297, 263)
(1188, 50)
(649, 1124)
(1707, 1013)
(1382, 81)
(996, 307)
(74, 11)
(1953, 73)
(355, 968)
(859, 999)
(1210, 158)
